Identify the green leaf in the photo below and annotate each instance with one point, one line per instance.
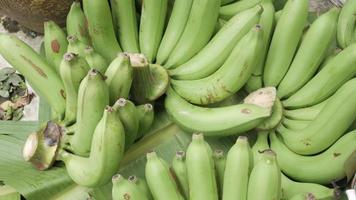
(15, 80)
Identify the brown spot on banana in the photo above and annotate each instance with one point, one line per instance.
(35, 67)
(55, 46)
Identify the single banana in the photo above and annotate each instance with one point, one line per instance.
(219, 162)
(180, 171)
(332, 121)
(55, 44)
(175, 27)
(265, 178)
(201, 170)
(76, 23)
(73, 69)
(124, 14)
(119, 77)
(76, 46)
(40, 75)
(145, 115)
(128, 116)
(260, 145)
(313, 49)
(160, 180)
(229, 78)
(101, 29)
(228, 11)
(220, 121)
(288, 33)
(126, 189)
(214, 54)
(197, 33)
(307, 168)
(346, 24)
(307, 113)
(239, 163)
(153, 17)
(89, 111)
(142, 185)
(95, 60)
(274, 119)
(253, 83)
(106, 151)
(295, 125)
(327, 81)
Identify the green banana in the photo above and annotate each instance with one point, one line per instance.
(197, 32)
(89, 111)
(260, 145)
(234, 99)
(180, 171)
(142, 185)
(160, 180)
(332, 121)
(291, 188)
(220, 121)
(153, 17)
(274, 119)
(76, 23)
(128, 116)
(265, 178)
(73, 69)
(229, 78)
(145, 115)
(253, 83)
(95, 60)
(287, 33)
(346, 24)
(277, 16)
(219, 25)
(213, 55)
(101, 29)
(239, 163)
(339, 70)
(126, 189)
(175, 28)
(228, 11)
(307, 168)
(150, 81)
(119, 77)
(219, 162)
(75, 45)
(295, 125)
(106, 151)
(331, 56)
(307, 113)
(201, 170)
(313, 49)
(55, 44)
(38, 72)
(124, 14)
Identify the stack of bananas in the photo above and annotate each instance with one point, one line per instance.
(102, 76)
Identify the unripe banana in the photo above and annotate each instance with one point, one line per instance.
(75, 45)
(260, 145)
(307, 113)
(307, 168)
(55, 44)
(228, 11)
(215, 53)
(201, 170)
(76, 23)
(288, 32)
(265, 178)
(229, 78)
(142, 185)
(101, 29)
(40, 75)
(124, 14)
(126, 189)
(180, 171)
(106, 152)
(145, 115)
(239, 163)
(219, 162)
(220, 121)
(176, 24)
(153, 15)
(346, 24)
(253, 83)
(95, 60)
(73, 69)
(119, 77)
(339, 70)
(160, 180)
(274, 119)
(313, 49)
(128, 116)
(198, 30)
(333, 120)
(295, 125)
(89, 110)
(330, 57)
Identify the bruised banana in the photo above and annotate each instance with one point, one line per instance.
(346, 24)
(95, 60)
(220, 121)
(220, 163)
(307, 113)
(229, 78)
(76, 23)
(180, 171)
(89, 111)
(213, 55)
(228, 11)
(126, 189)
(332, 121)
(38, 72)
(145, 115)
(333, 158)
